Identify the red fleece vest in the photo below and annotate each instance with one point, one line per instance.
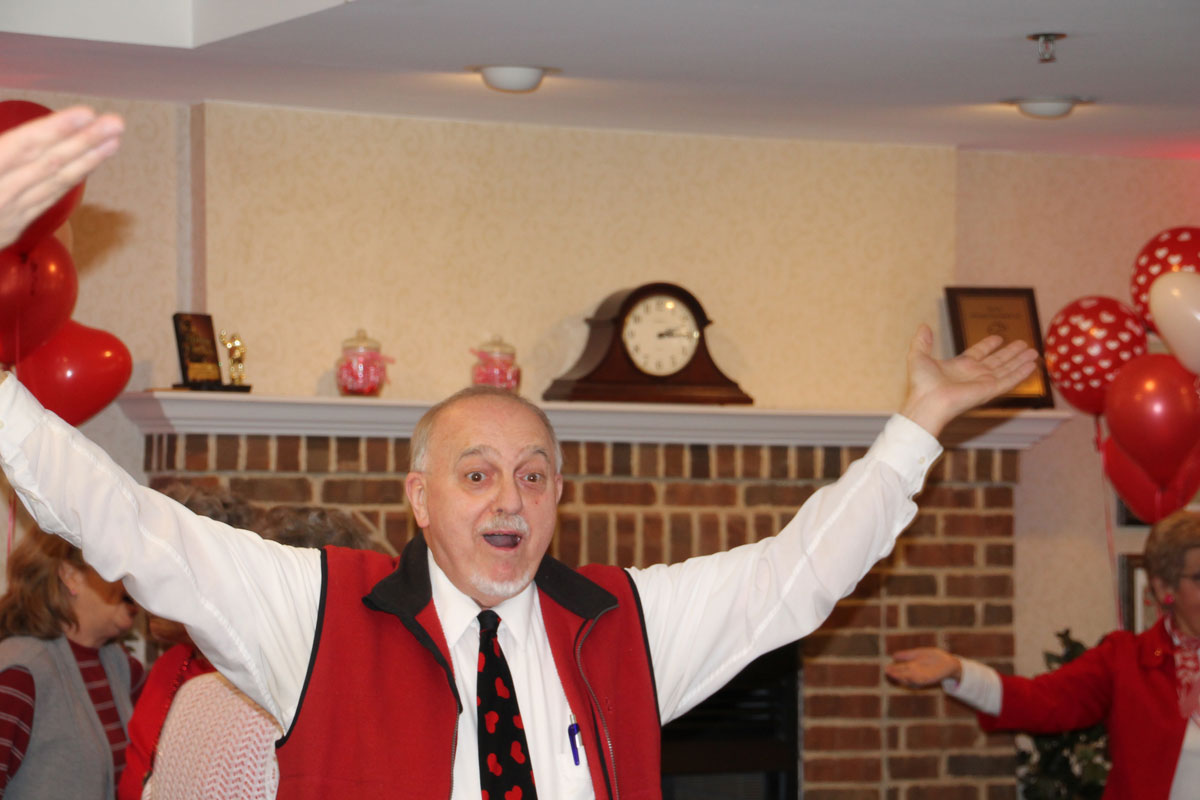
(378, 715)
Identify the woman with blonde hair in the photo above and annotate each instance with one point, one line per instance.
(1145, 688)
(67, 686)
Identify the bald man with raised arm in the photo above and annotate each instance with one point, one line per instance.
(369, 662)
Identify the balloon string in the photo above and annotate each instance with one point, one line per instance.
(12, 495)
(1112, 547)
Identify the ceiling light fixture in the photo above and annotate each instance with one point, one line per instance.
(1047, 107)
(512, 79)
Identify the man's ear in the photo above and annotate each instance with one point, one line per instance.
(558, 487)
(414, 487)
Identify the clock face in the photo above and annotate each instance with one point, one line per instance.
(660, 335)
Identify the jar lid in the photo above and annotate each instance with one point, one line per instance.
(360, 342)
(497, 345)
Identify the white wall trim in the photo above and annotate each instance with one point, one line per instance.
(235, 413)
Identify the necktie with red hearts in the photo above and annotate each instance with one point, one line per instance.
(505, 768)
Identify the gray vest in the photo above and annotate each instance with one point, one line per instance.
(69, 755)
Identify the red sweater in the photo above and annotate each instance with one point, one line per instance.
(1128, 683)
(378, 714)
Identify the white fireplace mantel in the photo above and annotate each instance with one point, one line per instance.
(236, 413)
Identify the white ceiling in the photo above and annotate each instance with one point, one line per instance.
(900, 71)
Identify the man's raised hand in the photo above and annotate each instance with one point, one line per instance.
(940, 390)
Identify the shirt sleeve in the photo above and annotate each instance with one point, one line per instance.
(1077, 694)
(710, 616)
(17, 696)
(980, 687)
(250, 605)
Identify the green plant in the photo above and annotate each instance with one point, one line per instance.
(1066, 766)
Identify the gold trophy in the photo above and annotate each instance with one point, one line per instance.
(237, 358)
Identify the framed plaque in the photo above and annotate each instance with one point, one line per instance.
(198, 362)
(976, 313)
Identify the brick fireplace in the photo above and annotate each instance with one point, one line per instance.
(647, 484)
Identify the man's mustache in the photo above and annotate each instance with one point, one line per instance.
(503, 523)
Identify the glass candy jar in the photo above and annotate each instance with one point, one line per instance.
(497, 365)
(362, 369)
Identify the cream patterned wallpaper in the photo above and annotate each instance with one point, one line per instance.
(435, 235)
(814, 259)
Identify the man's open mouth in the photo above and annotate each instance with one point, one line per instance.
(505, 541)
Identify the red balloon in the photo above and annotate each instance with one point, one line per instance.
(1147, 500)
(1173, 250)
(1153, 411)
(77, 372)
(18, 112)
(37, 295)
(1087, 342)
(1186, 482)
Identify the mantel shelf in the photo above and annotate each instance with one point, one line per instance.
(236, 413)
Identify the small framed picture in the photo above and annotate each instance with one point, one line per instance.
(978, 312)
(1139, 610)
(198, 361)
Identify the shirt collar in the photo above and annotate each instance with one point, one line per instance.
(458, 613)
(1178, 639)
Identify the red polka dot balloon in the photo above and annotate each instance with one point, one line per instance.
(1087, 342)
(1173, 250)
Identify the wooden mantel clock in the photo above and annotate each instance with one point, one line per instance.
(647, 345)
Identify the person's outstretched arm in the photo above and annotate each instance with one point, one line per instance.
(250, 605)
(42, 159)
(975, 684)
(708, 617)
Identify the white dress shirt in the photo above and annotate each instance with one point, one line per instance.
(251, 605)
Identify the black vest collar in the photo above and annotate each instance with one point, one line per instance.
(407, 590)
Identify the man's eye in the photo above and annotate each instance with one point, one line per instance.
(475, 477)
(534, 477)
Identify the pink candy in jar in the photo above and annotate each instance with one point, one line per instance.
(362, 369)
(497, 365)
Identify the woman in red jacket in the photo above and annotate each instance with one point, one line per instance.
(1145, 688)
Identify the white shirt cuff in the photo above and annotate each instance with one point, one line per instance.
(980, 687)
(907, 448)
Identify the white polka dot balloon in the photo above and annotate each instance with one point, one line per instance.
(1173, 250)
(1087, 342)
